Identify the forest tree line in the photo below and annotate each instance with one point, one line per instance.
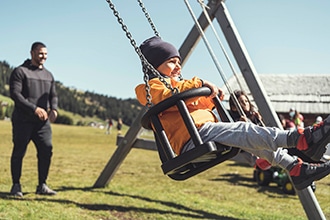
(84, 103)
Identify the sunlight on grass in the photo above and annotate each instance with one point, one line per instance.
(138, 190)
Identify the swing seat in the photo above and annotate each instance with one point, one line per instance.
(204, 155)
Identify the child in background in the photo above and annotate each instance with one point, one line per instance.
(250, 115)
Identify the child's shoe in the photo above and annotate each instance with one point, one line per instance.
(314, 140)
(303, 174)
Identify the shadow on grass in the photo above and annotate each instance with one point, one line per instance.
(237, 179)
(181, 210)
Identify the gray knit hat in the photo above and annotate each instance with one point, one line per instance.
(156, 51)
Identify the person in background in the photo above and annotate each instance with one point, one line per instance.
(251, 115)
(32, 87)
(286, 123)
(119, 125)
(109, 126)
(318, 120)
(258, 140)
(297, 118)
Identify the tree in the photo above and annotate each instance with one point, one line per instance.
(80, 102)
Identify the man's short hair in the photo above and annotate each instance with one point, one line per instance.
(37, 44)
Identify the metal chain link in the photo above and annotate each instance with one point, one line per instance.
(145, 64)
(148, 18)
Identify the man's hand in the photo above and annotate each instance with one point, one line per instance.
(41, 113)
(52, 115)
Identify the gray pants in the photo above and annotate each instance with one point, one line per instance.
(246, 158)
(264, 142)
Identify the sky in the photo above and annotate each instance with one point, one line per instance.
(88, 50)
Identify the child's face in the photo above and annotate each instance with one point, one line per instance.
(244, 102)
(171, 67)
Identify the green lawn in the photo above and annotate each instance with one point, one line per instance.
(6, 99)
(138, 190)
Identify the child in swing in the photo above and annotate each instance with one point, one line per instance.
(260, 141)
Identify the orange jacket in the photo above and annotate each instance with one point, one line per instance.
(199, 108)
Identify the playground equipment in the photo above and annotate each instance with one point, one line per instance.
(218, 10)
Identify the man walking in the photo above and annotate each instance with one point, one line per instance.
(32, 87)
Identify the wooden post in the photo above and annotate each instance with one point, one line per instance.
(141, 143)
(121, 152)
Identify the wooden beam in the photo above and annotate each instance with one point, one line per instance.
(141, 143)
(121, 152)
(193, 37)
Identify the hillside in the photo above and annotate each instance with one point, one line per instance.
(85, 104)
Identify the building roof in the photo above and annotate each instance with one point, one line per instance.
(308, 93)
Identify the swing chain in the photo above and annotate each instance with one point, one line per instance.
(148, 18)
(123, 26)
(145, 64)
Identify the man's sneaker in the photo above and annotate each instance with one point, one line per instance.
(303, 174)
(16, 190)
(313, 143)
(45, 190)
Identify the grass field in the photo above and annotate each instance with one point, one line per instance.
(138, 190)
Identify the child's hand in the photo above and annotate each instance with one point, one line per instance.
(214, 90)
(257, 115)
(243, 118)
(221, 94)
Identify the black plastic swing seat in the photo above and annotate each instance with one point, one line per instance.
(197, 160)
(200, 158)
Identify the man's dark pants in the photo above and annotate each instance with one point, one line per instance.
(41, 134)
